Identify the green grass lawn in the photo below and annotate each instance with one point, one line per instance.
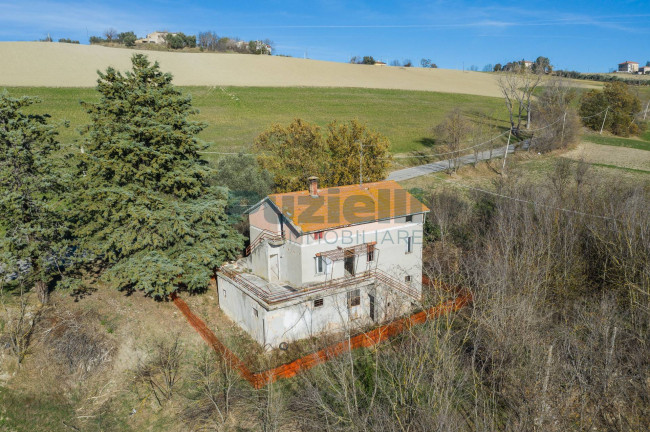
(641, 144)
(236, 115)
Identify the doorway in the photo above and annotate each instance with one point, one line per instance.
(348, 262)
(372, 306)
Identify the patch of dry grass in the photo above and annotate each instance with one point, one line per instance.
(610, 155)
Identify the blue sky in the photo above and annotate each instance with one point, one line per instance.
(580, 35)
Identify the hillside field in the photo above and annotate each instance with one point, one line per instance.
(47, 64)
(236, 115)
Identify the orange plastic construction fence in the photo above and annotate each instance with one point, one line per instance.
(288, 370)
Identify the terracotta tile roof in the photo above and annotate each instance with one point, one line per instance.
(347, 205)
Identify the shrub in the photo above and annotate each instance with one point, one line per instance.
(613, 109)
(127, 38)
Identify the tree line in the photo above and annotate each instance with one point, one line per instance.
(541, 65)
(112, 36)
(600, 77)
(205, 41)
(370, 60)
(210, 41)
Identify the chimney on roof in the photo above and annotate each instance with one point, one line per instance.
(313, 186)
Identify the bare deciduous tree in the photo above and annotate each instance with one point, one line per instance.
(215, 385)
(517, 85)
(557, 121)
(452, 131)
(110, 34)
(18, 321)
(161, 371)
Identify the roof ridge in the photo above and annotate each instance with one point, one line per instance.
(341, 206)
(340, 187)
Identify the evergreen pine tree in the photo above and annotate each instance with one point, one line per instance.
(146, 207)
(34, 233)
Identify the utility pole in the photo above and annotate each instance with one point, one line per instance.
(505, 155)
(563, 124)
(360, 163)
(605, 119)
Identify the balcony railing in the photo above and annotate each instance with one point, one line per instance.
(271, 297)
(265, 235)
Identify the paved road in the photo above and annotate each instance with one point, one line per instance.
(420, 170)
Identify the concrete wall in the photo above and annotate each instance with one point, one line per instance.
(303, 320)
(239, 307)
(300, 320)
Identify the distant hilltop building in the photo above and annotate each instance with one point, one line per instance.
(644, 70)
(628, 67)
(527, 63)
(155, 38)
(254, 47)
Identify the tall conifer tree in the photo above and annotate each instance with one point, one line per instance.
(146, 207)
(33, 233)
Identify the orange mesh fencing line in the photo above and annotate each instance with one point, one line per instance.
(212, 340)
(291, 369)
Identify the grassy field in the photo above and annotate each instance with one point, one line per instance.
(643, 143)
(235, 115)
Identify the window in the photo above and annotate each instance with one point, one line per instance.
(318, 235)
(409, 218)
(354, 298)
(318, 302)
(224, 293)
(320, 264)
(255, 313)
(371, 252)
(407, 279)
(409, 244)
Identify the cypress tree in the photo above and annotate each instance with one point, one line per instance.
(147, 210)
(34, 233)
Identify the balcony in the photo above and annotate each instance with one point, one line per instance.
(275, 293)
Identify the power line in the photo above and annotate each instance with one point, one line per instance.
(527, 201)
(594, 115)
(450, 152)
(561, 118)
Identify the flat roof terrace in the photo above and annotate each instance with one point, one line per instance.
(274, 294)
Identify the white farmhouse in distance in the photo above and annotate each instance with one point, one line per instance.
(155, 38)
(326, 260)
(628, 66)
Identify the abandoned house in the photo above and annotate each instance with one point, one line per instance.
(326, 260)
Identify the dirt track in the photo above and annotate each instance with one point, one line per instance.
(66, 65)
